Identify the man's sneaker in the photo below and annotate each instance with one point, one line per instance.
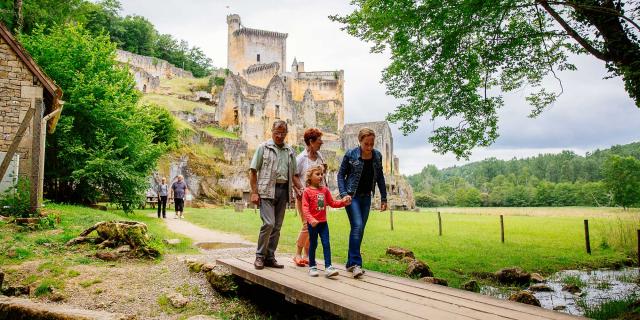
(313, 271)
(357, 272)
(330, 272)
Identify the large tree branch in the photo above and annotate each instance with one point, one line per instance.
(597, 9)
(582, 41)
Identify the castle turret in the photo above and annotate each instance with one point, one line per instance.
(233, 23)
(294, 65)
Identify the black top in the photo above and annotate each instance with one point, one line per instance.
(366, 179)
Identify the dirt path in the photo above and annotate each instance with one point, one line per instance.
(200, 234)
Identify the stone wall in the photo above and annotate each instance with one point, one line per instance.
(148, 71)
(13, 76)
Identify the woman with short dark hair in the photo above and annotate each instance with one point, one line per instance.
(360, 171)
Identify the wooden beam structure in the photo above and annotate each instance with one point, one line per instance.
(16, 142)
(382, 296)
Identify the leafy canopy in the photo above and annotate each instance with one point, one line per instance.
(104, 144)
(451, 59)
(622, 177)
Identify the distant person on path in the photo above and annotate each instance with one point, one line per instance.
(163, 193)
(315, 199)
(274, 183)
(178, 190)
(308, 158)
(360, 171)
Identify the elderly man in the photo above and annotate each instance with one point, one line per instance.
(273, 184)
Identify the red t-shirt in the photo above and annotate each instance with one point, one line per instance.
(315, 202)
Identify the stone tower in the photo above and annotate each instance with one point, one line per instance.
(254, 49)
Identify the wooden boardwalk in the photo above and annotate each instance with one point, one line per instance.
(382, 296)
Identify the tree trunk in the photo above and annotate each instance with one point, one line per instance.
(17, 11)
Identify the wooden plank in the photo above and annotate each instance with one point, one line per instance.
(16, 142)
(346, 306)
(461, 294)
(348, 286)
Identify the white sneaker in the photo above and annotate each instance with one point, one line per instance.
(313, 271)
(357, 272)
(330, 272)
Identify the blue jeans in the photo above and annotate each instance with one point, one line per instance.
(322, 229)
(358, 213)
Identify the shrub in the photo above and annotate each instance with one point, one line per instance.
(15, 201)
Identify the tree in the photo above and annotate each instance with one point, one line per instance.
(451, 59)
(622, 177)
(103, 146)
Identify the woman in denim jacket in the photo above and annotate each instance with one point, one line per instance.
(360, 171)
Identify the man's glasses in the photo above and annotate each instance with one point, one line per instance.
(280, 134)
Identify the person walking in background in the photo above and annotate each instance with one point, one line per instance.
(360, 171)
(163, 193)
(178, 191)
(272, 177)
(310, 157)
(315, 199)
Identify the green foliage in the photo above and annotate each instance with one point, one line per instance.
(612, 309)
(103, 144)
(453, 60)
(563, 179)
(573, 280)
(622, 177)
(163, 126)
(427, 200)
(15, 201)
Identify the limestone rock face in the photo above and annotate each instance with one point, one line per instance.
(513, 275)
(222, 280)
(400, 253)
(419, 269)
(434, 280)
(471, 285)
(525, 297)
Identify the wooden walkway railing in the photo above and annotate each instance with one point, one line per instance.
(382, 296)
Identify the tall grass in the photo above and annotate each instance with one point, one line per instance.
(611, 309)
(622, 233)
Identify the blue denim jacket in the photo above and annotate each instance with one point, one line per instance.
(351, 170)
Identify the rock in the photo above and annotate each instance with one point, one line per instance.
(15, 291)
(434, 280)
(418, 269)
(207, 267)
(56, 296)
(513, 275)
(537, 278)
(407, 260)
(400, 253)
(18, 308)
(222, 280)
(195, 266)
(177, 300)
(121, 250)
(525, 297)
(571, 288)
(471, 285)
(108, 256)
(172, 242)
(559, 308)
(540, 287)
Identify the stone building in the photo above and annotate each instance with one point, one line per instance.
(147, 71)
(29, 107)
(259, 89)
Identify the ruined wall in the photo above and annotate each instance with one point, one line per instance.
(153, 66)
(261, 74)
(13, 76)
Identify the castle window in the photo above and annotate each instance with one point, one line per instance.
(235, 116)
(251, 111)
(258, 57)
(277, 111)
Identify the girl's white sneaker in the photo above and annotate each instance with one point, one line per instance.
(313, 271)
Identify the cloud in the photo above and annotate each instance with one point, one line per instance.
(592, 112)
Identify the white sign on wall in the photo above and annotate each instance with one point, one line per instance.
(11, 176)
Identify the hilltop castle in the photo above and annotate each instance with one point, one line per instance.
(259, 89)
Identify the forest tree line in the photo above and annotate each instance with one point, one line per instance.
(601, 178)
(132, 33)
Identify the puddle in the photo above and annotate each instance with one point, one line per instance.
(598, 286)
(221, 245)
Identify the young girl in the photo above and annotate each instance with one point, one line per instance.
(314, 201)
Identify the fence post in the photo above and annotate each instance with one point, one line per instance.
(391, 218)
(586, 236)
(501, 229)
(439, 223)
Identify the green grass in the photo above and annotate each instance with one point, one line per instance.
(220, 133)
(611, 309)
(573, 280)
(184, 85)
(470, 243)
(173, 103)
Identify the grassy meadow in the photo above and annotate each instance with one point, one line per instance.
(470, 242)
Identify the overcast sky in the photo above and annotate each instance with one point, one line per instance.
(592, 113)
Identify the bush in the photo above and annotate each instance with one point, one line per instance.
(15, 202)
(429, 200)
